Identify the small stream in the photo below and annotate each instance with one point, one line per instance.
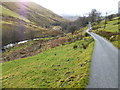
(4, 48)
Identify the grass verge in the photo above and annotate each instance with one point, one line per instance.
(110, 32)
(65, 66)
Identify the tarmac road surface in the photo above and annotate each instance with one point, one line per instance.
(104, 65)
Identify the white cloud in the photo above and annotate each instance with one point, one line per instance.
(79, 7)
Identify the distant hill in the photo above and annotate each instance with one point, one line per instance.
(69, 17)
(26, 20)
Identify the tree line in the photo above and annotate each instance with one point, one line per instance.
(94, 17)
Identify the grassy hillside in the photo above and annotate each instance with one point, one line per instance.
(26, 21)
(65, 63)
(110, 32)
(34, 12)
(8, 12)
(36, 46)
(19, 31)
(59, 67)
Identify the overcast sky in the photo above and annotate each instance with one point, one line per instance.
(79, 7)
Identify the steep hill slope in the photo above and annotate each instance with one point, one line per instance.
(27, 20)
(33, 12)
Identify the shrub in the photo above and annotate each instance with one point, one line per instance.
(58, 42)
(86, 34)
(75, 46)
(84, 46)
(72, 29)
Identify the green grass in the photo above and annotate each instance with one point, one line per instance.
(24, 45)
(109, 26)
(109, 31)
(46, 38)
(18, 47)
(8, 12)
(3, 22)
(60, 67)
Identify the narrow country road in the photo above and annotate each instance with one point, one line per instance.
(104, 65)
